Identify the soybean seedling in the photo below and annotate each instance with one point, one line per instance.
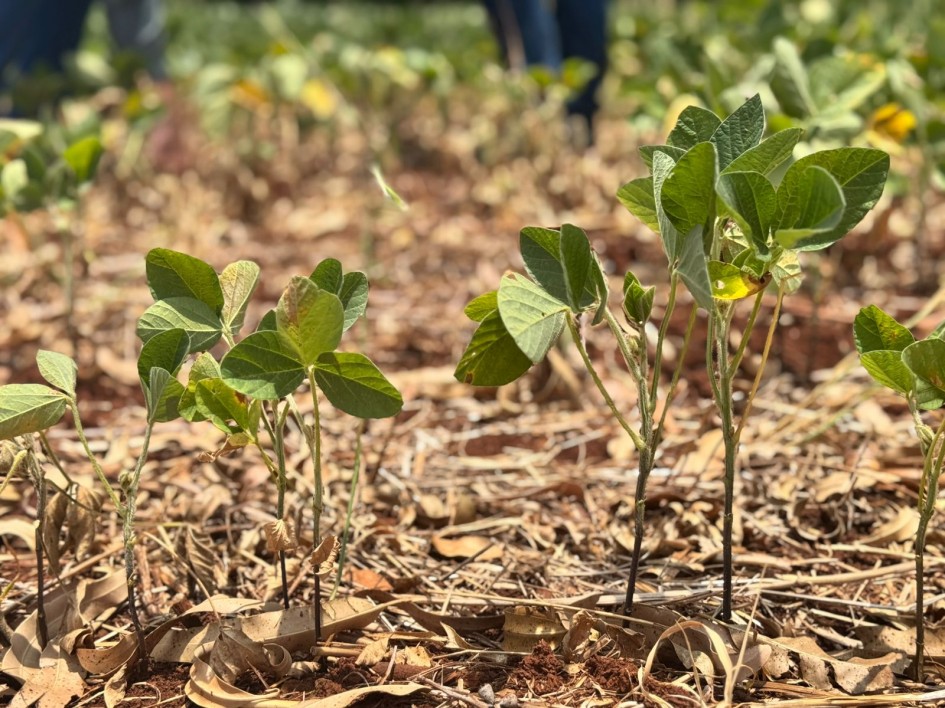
(916, 370)
(254, 383)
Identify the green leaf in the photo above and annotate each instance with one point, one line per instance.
(789, 81)
(753, 203)
(684, 251)
(541, 251)
(238, 282)
(201, 324)
(688, 193)
(767, 155)
(162, 395)
(14, 178)
(328, 275)
(166, 349)
(637, 196)
(787, 272)
(926, 359)
(532, 316)
(861, 174)
(482, 306)
(58, 370)
(731, 283)
(647, 152)
(874, 329)
(172, 274)
(695, 125)
(354, 296)
(601, 288)
(204, 367)
(219, 404)
(83, 156)
(310, 318)
(637, 300)
(29, 408)
(576, 260)
(739, 132)
(887, 368)
(268, 322)
(263, 365)
(492, 357)
(812, 207)
(353, 384)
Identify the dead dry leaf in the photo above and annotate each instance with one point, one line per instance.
(478, 547)
(901, 527)
(526, 626)
(53, 683)
(280, 536)
(855, 676)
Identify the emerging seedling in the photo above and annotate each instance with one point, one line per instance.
(916, 370)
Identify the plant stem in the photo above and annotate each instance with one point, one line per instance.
(638, 441)
(99, 472)
(664, 327)
(928, 492)
(318, 504)
(277, 434)
(39, 483)
(769, 340)
(677, 372)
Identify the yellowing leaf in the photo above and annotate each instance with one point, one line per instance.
(893, 121)
(318, 97)
(731, 283)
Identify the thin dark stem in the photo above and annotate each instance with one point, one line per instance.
(36, 474)
(318, 504)
(278, 442)
(928, 492)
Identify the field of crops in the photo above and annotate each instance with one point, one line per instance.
(340, 370)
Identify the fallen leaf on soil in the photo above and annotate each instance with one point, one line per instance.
(368, 579)
(56, 680)
(882, 640)
(374, 652)
(433, 621)
(480, 547)
(206, 689)
(22, 529)
(589, 635)
(901, 527)
(526, 626)
(233, 653)
(855, 676)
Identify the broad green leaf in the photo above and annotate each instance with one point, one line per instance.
(238, 282)
(739, 132)
(264, 365)
(926, 359)
(887, 368)
(637, 300)
(201, 324)
(220, 404)
(541, 251)
(576, 260)
(204, 367)
(354, 296)
(695, 125)
(532, 316)
(637, 196)
(814, 207)
(268, 322)
(731, 283)
(166, 349)
(482, 306)
(58, 370)
(753, 203)
(672, 243)
(162, 395)
(492, 357)
(172, 274)
(29, 408)
(874, 329)
(688, 192)
(353, 384)
(789, 81)
(861, 174)
(684, 251)
(83, 156)
(328, 275)
(648, 151)
(767, 155)
(310, 318)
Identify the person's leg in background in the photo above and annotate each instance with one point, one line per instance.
(583, 31)
(39, 33)
(526, 32)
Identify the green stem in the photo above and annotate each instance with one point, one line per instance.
(36, 475)
(746, 334)
(96, 467)
(677, 372)
(638, 441)
(318, 504)
(130, 490)
(928, 492)
(769, 340)
(277, 434)
(664, 328)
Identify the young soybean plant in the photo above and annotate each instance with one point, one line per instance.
(254, 383)
(27, 409)
(915, 369)
(520, 322)
(730, 230)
